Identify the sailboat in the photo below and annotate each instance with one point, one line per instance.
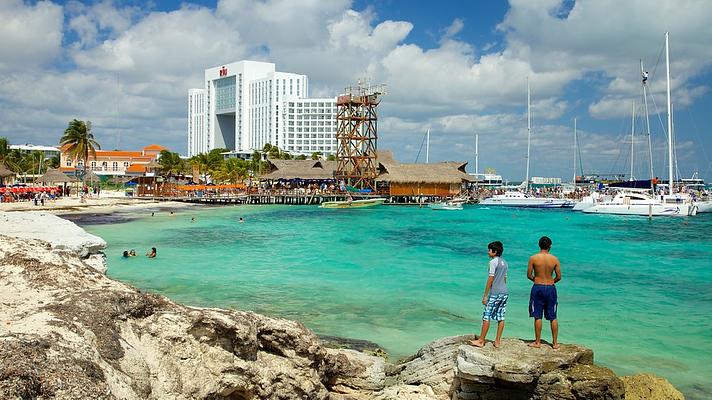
(524, 199)
(638, 202)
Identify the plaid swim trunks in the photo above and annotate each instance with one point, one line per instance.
(496, 307)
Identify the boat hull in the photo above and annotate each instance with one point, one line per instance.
(704, 206)
(528, 203)
(353, 204)
(681, 210)
(444, 207)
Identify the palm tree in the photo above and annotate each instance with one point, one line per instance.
(80, 141)
(232, 170)
(4, 148)
(171, 163)
(257, 163)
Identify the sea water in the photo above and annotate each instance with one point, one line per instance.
(636, 291)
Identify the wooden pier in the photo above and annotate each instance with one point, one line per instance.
(291, 199)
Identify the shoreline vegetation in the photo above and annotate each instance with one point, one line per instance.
(72, 332)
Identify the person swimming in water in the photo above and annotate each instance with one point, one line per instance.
(126, 254)
(152, 253)
(132, 253)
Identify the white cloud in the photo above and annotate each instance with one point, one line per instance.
(30, 36)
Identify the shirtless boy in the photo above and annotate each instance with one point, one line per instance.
(544, 270)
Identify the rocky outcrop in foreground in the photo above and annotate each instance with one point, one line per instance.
(69, 332)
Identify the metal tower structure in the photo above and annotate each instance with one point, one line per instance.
(357, 135)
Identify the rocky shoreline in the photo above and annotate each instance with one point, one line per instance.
(70, 332)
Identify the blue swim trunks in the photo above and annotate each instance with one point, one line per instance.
(496, 307)
(543, 300)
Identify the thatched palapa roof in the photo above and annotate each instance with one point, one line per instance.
(4, 171)
(451, 172)
(300, 169)
(55, 176)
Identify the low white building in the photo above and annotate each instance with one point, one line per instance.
(245, 105)
(49, 151)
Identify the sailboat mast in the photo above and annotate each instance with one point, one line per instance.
(575, 152)
(632, 132)
(669, 112)
(529, 133)
(427, 147)
(647, 121)
(477, 154)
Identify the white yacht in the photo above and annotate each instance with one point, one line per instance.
(519, 199)
(629, 202)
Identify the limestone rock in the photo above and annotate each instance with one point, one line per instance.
(60, 233)
(649, 387)
(351, 371)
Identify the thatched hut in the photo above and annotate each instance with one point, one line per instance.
(5, 173)
(442, 179)
(55, 176)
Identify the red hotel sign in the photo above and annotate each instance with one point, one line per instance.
(223, 71)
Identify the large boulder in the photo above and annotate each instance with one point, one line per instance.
(649, 387)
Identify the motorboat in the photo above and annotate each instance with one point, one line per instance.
(446, 206)
(363, 203)
(519, 199)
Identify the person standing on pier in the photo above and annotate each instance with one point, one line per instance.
(545, 271)
(496, 294)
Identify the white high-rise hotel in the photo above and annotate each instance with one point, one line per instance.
(246, 104)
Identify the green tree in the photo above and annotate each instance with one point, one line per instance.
(331, 157)
(256, 163)
(274, 153)
(34, 163)
(4, 148)
(267, 147)
(316, 155)
(53, 162)
(233, 170)
(171, 163)
(301, 157)
(79, 140)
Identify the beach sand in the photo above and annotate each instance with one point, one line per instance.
(108, 202)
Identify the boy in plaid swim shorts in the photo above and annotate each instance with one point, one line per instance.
(496, 294)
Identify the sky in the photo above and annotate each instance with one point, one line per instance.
(457, 68)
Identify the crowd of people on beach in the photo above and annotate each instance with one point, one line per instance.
(544, 270)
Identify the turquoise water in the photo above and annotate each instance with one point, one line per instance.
(638, 292)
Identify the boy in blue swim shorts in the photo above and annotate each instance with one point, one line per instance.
(545, 271)
(496, 294)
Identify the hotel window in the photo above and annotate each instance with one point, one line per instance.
(104, 165)
(126, 164)
(93, 164)
(115, 166)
